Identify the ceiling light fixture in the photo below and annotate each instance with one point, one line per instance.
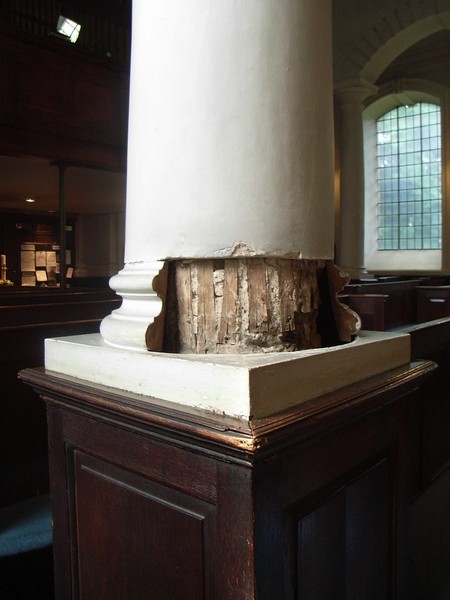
(30, 200)
(69, 28)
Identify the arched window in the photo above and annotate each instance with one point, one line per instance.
(409, 178)
(406, 150)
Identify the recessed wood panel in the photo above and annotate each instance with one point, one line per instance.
(145, 507)
(344, 545)
(136, 538)
(165, 463)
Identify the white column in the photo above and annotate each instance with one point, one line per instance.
(230, 141)
(230, 152)
(350, 249)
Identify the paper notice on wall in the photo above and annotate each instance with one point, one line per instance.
(51, 258)
(28, 279)
(27, 261)
(41, 275)
(40, 259)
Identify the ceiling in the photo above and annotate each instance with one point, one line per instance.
(428, 59)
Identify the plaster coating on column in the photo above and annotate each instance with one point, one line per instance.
(230, 137)
(230, 162)
(350, 255)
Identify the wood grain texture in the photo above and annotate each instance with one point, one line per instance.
(254, 304)
(146, 506)
(169, 551)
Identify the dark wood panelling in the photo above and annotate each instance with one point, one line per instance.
(369, 307)
(389, 304)
(431, 340)
(325, 489)
(321, 557)
(399, 305)
(94, 102)
(18, 296)
(39, 87)
(169, 551)
(27, 314)
(311, 504)
(166, 463)
(433, 302)
(235, 566)
(23, 427)
(344, 544)
(60, 103)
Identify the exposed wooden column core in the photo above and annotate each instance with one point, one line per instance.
(247, 304)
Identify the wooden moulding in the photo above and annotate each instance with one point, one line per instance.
(253, 304)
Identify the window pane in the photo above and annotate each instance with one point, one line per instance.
(409, 178)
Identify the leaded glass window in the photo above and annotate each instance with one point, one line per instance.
(409, 178)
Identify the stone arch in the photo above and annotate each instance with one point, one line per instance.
(404, 91)
(401, 41)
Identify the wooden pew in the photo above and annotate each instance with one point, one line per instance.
(23, 329)
(428, 517)
(393, 303)
(23, 429)
(429, 328)
(431, 340)
(27, 314)
(370, 309)
(400, 304)
(15, 296)
(433, 302)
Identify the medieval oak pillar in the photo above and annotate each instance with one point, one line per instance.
(229, 219)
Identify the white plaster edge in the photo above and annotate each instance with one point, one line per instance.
(244, 386)
(313, 375)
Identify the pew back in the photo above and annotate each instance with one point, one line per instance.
(433, 302)
(400, 305)
(23, 424)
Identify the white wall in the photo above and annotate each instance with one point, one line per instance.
(99, 244)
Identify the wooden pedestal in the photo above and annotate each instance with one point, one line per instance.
(154, 502)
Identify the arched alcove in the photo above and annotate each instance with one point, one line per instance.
(373, 58)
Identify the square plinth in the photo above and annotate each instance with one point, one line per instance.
(249, 386)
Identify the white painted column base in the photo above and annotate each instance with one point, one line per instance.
(126, 327)
(240, 386)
